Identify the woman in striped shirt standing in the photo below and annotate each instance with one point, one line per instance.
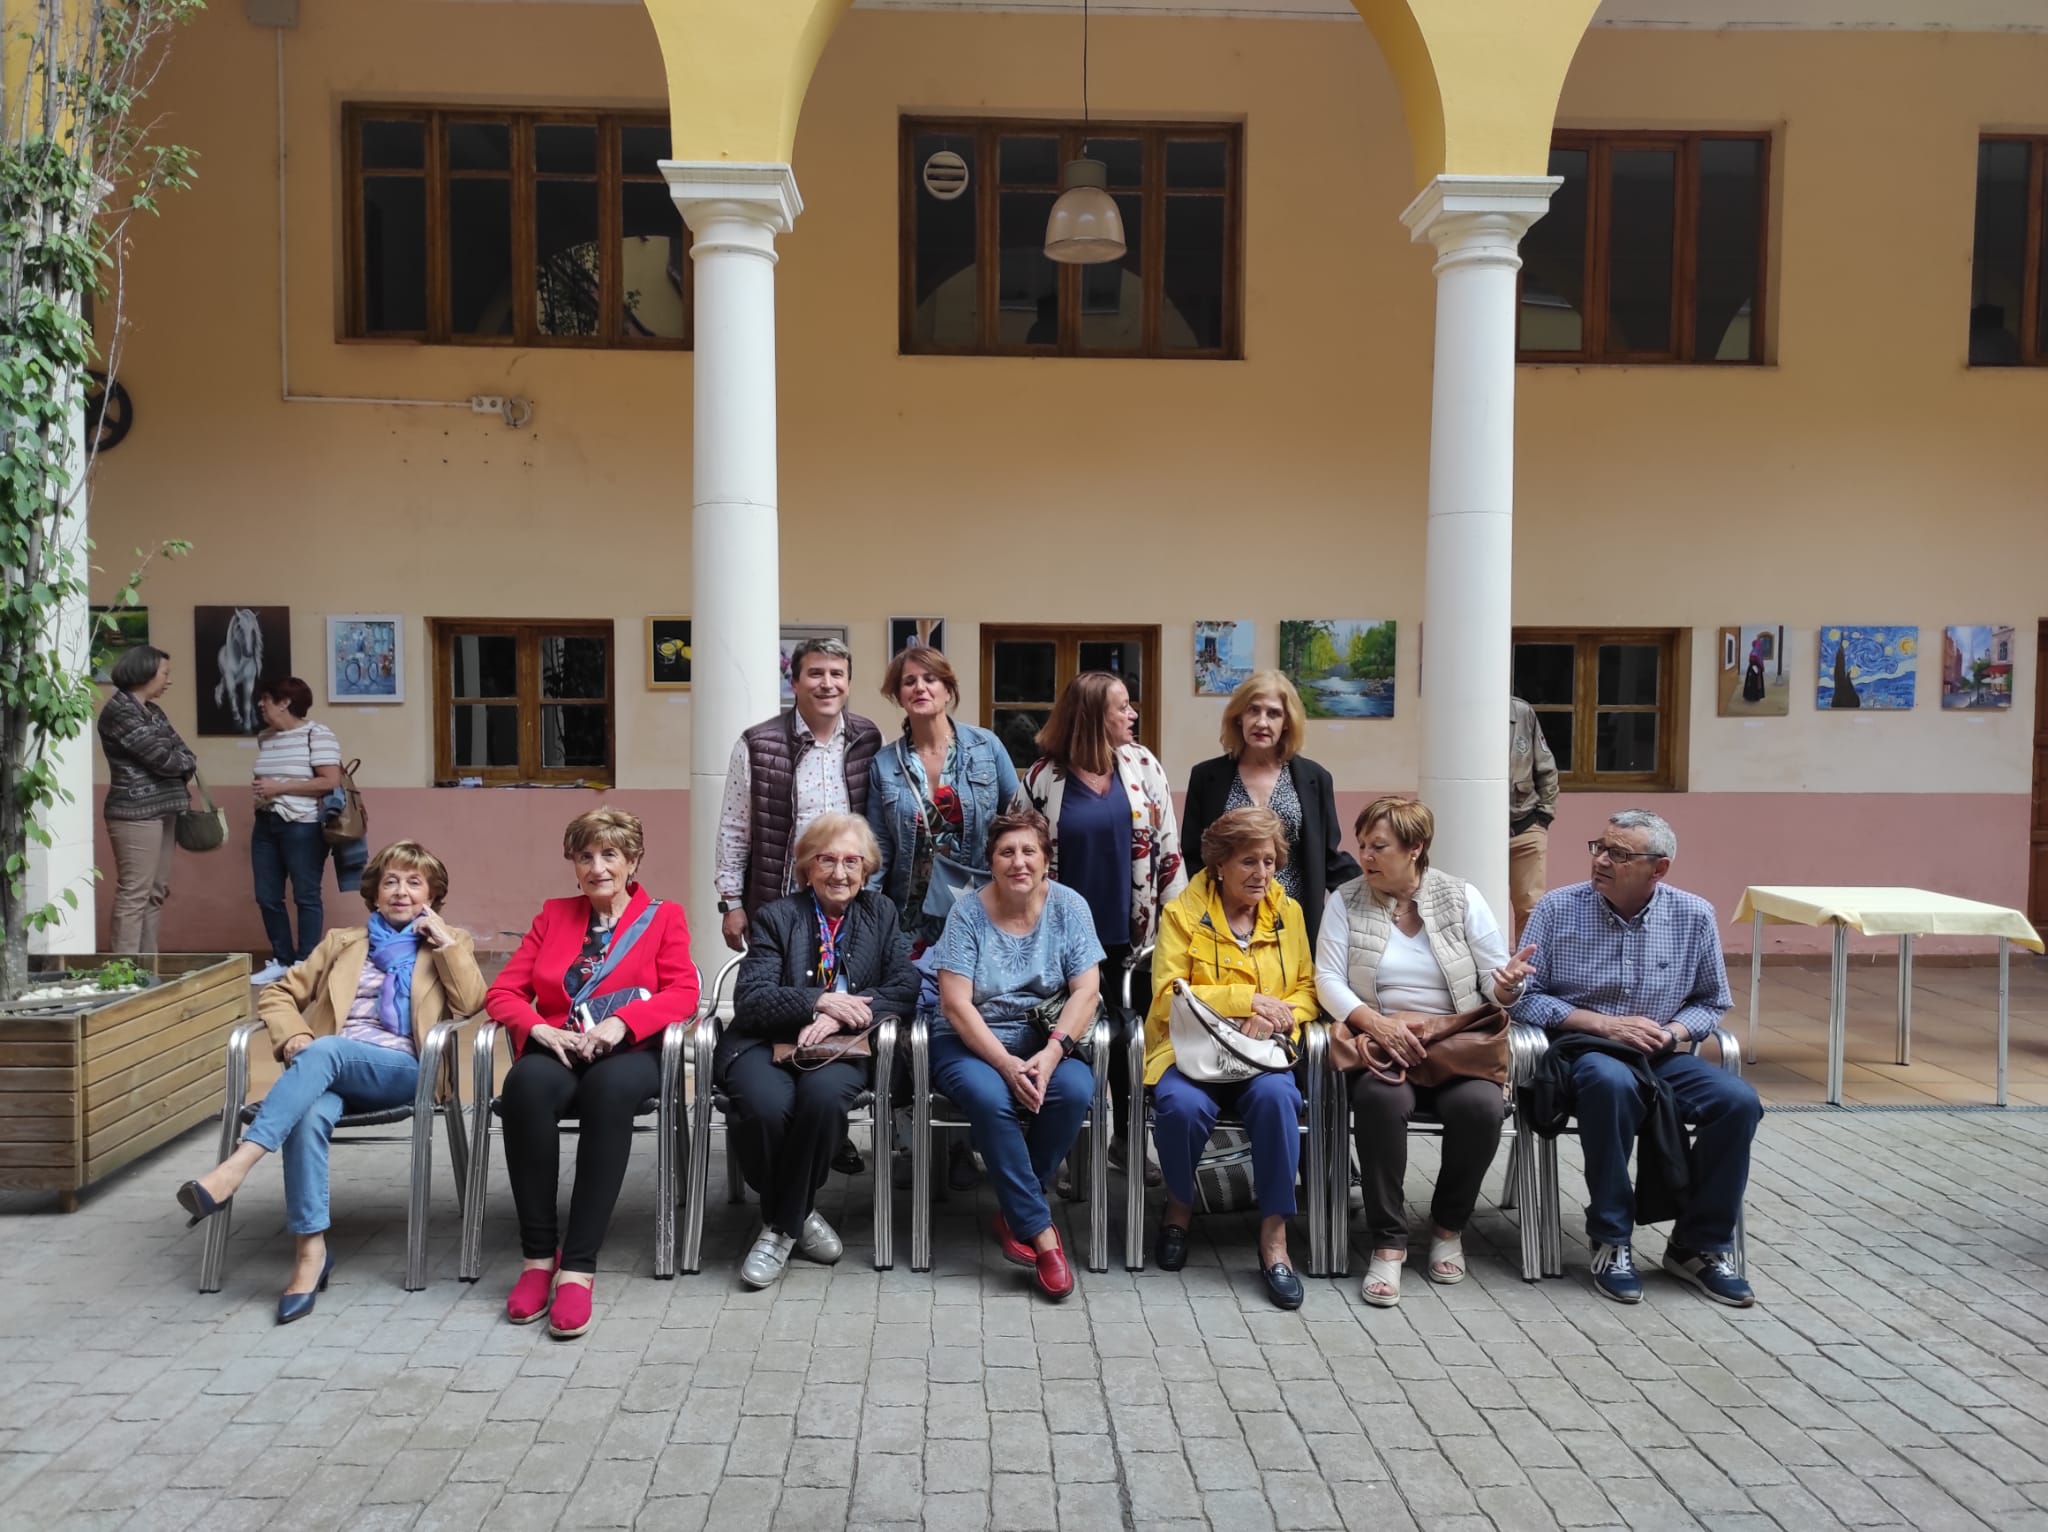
(298, 762)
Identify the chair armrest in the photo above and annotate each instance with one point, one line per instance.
(438, 1047)
(1730, 1049)
(1142, 955)
(483, 1063)
(1526, 1046)
(883, 1034)
(709, 1000)
(1315, 1046)
(235, 1073)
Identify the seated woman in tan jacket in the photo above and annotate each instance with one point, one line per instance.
(347, 1024)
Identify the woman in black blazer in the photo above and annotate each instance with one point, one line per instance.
(1263, 729)
(822, 964)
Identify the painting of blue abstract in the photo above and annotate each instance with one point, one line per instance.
(1867, 666)
(1223, 657)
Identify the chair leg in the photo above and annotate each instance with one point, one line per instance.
(469, 1265)
(883, 1157)
(1098, 1158)
(213, 1244)
(1552, 1221)
(1317, 1149)
(920, 1148)
(1523, 1175)
(671, 1118)
(1337, 1177)
(1134, 1164)
(420, 1192)
(700, 1156)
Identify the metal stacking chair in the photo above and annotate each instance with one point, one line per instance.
(710, 1098)
(1315, 1127)
(437, 1066)
(670, 1122)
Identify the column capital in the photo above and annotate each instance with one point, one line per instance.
(1478, 219)
(765, 194)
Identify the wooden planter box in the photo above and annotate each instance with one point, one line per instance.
(83, 1094)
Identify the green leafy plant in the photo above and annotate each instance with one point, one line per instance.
(121, 973)
(76, 163)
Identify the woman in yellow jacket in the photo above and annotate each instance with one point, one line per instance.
(1244, 950)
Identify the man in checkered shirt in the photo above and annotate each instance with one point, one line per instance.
(1635, 962)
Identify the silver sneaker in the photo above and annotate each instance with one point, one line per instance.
(819, 1241)
(766, 1262)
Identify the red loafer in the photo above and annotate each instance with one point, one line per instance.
(1014, 1249)
(1055, 1276)
(570, 1316)
(529, 1297)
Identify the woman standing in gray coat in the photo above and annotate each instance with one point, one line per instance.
(148, 767)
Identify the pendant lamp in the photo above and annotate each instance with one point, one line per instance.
(1085, 228)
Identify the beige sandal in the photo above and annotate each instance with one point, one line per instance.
(1447, 1252)
(1388, 1275)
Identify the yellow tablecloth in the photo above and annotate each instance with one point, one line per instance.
(1887, 912)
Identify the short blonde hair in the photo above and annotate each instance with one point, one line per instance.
(604, 827)
(1265, 683)
(408, 856)
(827, 828)
(1410, 820)
(1240, 828)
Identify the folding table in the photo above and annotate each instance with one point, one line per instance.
(1901, 912)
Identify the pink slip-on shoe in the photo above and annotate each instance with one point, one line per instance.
(529, 1296)
(570, 1316)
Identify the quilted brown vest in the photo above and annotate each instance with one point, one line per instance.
(771, 814)
(1441, 904)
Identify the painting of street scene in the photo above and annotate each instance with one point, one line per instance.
(1342, 669)
(1976, 667)
(1864, 666)
(1223, 657)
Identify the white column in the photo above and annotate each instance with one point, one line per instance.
(1476, 224)
(734, 213)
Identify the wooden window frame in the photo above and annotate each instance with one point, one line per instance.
(2032, 352)
(1153, 137)
(1067, 639)
(524, 177)
(1670, 707)
(1599, 148)
(442, 632)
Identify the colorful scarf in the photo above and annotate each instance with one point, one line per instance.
(828, 945)
(394, 951)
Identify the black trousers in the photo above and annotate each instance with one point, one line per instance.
(1112, 971)
(1471, 1111)
(786, 1125)
(540, 1092)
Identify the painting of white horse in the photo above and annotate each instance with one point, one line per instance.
(235, 650)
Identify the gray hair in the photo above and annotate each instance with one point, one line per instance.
(826, 646)
(1663, 839)
(137, 667)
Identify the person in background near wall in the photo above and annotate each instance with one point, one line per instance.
(298, 762)
(149, 768)
(1115, 842)
(1264, 728)
(784, 773)
(1532, 804)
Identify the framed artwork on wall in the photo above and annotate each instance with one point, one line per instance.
(1752, 675)
(1868, 666)
(234, 649)
(905, 631)
(1976, 667)
(1343, 669)
(365, 657)
(115, 630)
(794, 633)
(1223, 656)
(668, 654)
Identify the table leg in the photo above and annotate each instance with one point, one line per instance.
(1905, 1000)
(1756, 963)
(2004, 1009)
(1838, 1013)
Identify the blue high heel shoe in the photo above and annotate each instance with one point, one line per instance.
(291, 1306)
(198, 1201)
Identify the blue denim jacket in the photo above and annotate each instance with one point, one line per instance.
(989, 781)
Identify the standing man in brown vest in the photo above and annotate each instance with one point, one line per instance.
(1532, 804)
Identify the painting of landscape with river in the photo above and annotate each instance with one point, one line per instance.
(1342, 669)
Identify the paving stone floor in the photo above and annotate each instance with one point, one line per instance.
(1895, 1372)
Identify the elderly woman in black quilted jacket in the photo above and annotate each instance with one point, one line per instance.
(823, 965)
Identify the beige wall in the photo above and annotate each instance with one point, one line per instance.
(1867, 476)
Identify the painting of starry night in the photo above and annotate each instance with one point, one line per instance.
(1868, 667)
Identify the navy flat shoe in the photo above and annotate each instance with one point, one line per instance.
(291, 1306)
(1171, 1252)
(198, 1201)
(1282, 1285)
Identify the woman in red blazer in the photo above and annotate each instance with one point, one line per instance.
(597, 1074)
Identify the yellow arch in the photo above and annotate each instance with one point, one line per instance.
(1479, 79)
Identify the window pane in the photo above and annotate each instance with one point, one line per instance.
(642, 148)
(1113, 293)
(1019, 161)
(485, 665)
(1998, 270)
(1643, 205)
(565, 256)
(1554, 263)
(394, 254)
(480, 257)
(1196, 162)
(394, 146)
(487, 736)
(1725, 248)
(1628, 675)
(1125, 158)
(1125, 661)
(479, 146)
(1627, 742)
(1191, 306)
(564, 149)
(572, 667)
(1027, 284)
(944, 288)
(1543, 673)
(1556, 724)
(653, 248)
(574, 737)
(1025, 671)
(1018, 729)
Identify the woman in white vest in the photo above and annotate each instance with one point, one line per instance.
(1406, 941)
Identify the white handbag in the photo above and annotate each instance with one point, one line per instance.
(1213, 1051)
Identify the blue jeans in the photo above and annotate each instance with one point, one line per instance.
(1021, 1155)
(278, 848)
(1722, 1106)
(331, 1075)
(1184, 1114)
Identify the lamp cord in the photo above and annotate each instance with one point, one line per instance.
(1084, 76)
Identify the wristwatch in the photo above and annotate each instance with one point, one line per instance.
(727, 906)
(1069, 1046)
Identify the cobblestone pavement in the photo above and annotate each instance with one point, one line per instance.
(1895, 1372)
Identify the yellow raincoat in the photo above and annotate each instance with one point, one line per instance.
(1195, 944)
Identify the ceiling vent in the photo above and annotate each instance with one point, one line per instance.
(945, 176)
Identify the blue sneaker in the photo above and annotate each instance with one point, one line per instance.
(1712, 1272)
(1614, 1273)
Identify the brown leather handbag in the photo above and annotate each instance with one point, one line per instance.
(1472, 1045)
